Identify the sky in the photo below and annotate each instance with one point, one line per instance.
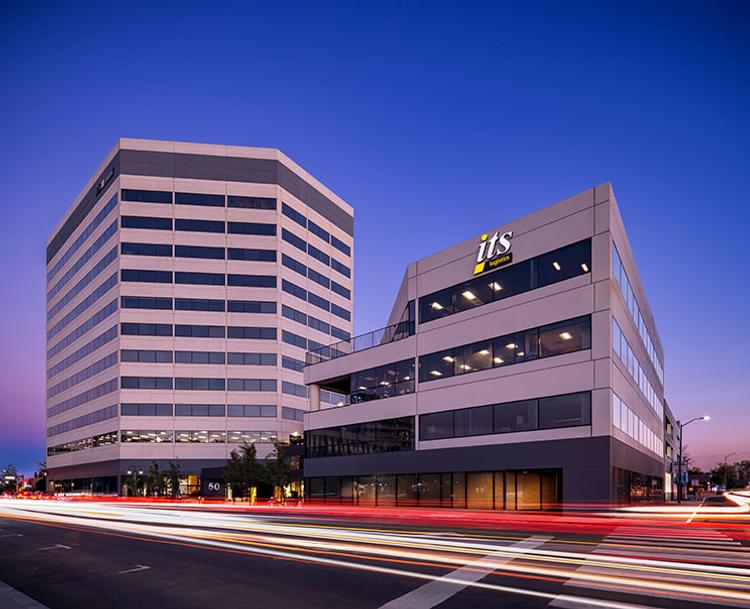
(435, 120)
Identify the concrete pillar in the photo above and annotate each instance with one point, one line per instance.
(314, 397)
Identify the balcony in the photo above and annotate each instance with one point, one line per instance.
(376, 338)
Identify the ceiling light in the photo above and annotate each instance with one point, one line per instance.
(448, 359)
(483, 352)
(436, 373)
(498, 360)
(361, 388)
(465, 366)
(556, 265)
(511, 346)
(468, 295)
(566, 335)
(585, 267)
(406, 378)
(437, 306)
(519, 353)
(496, 286)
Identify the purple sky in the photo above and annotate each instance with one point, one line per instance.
(436, 121)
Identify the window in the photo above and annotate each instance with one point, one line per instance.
(238, 437)
(147, 222)
(251, 411)
(436, 425)
(85, 350)
(252, 228)
(144, 355)
(251, 306)
(197, 251)
(341, 290)
(291, 263)
(199, 331)
(142, 276)
(199, 357)
(198, 384)
(471, 358)
(389, 435)
(146, 410)
(318, 254)
(251, 359)
(192, 198)
(294, 389)
(294, 290)
(565, 337)
(296, 241)
(146, 436)
(292, 364)
(255, 255)
(98, 268)
(341, 268)
(436, 365)
(293, 314)
(251, 202)
(199, 278)
(319, 325)
(145, 302)
(251, 385)
(145, 249)
(289, 212)
(319, 231)
(318, 278)
(567, 262)
(565, 411)
(341, 246)
(293, 339)
(200, 437)
(145, 196)
(339, 333)
(146, 382)
(135, 329)
(199, 226)
(252, 281)
(340, 312)
(318, 301)
(382, 381)
(198, 304)
(199, 410)
(83, 398)
(515, 416)
(87, 325)
(257, 333)
(84, 304)
(292, 414)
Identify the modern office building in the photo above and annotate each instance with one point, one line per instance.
(184, 286)
(520, 369)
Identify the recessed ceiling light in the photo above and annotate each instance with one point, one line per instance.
(511, 346)
(437, 306)
(468, 295)
(566, 335)
(436, 373)
(585, 267)
(483, 352)
(519, 353)
(465, 366)
(496, 286)
(406, 378)
(556, 265)
(361, 388)
(448, 359)
(498, 360)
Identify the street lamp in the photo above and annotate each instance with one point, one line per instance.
(679, 478)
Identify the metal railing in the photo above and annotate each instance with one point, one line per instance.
(381, 336)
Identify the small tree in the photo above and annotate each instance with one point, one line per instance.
(243, 472)
(173, 479)
(154, 480)
(724, 474)
(278, 472)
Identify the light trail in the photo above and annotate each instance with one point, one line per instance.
(719, 575)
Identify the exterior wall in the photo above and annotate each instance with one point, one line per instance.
(588, 453)
(191, 168)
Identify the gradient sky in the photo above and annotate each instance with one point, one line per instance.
(435, 120)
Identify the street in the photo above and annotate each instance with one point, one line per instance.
(111, 554)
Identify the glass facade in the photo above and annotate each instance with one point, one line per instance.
(388, 435)
(382, 382)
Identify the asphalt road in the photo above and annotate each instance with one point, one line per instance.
(73, 555)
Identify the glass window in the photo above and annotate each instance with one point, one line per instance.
(436, 365)
(296, 241)
(472, 358)
(459, 490)
(564, 337)
(145, 196)
(509, 349)
(406, 490)
(145, 249)
(192, 198)
(564, 263)
(474, 293)
(195, 251)
(435, 306)
(479, 493)
(292, 213)
(429, 490)
(251, 228)
(201, 226)
(568, 410)
(473, 421)
(341, 246)
(147, 222)
(198, 304)
(510, 281)
(515, 416)
(529, 490)
(436, 425)
(256, 255)
(251, 202)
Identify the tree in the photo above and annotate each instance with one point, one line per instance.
(134, 482)
(743, 472)
(278, 473)
(154, 480)
(173, 479)
(724, 474)
(243, 472)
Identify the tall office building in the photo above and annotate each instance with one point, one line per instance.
(184, 285)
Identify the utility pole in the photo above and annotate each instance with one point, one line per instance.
(679, 476)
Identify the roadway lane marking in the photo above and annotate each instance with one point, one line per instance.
(11, 598)
(572, 602)
(12, 535)
(437, 591)
(56, 547)
(137, 568)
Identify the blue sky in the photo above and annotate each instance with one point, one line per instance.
(435, 120)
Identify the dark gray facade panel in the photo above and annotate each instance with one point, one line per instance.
(120, 467)
(202, 167)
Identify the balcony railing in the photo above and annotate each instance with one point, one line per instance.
(382, 336)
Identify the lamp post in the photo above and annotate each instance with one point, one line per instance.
(679, 475)
(726, 481)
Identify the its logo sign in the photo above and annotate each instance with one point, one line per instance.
(494, 252)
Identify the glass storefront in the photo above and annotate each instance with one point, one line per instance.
(500, 490)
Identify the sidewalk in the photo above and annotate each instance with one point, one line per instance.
(10, 598)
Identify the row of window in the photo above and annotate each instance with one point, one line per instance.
(87, 325)
(313, 322)
(104, 439)
(81, 239)
(198, 304)
(197, 410)
(627, 356)
(103, 414)
(98, 268)
(504, 490)
(549, 340)
(199, 437)
(100, 242)
(621, 277)
(196, 384)
(570, 410)
(197, 331)
(624, 419)
(558, 265)
(295, 389)
(387, 435)
(194, 278)
(84, 374)
(315, 300)
(198, 226)
(314, 252)
(292, 414)
(193, 198)
(382, 382)
(198, 357)
(319, 231)
(87, 349)
(313, 275)
(83, 398)
(198, 251)
(290, 338)
(82, 306)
